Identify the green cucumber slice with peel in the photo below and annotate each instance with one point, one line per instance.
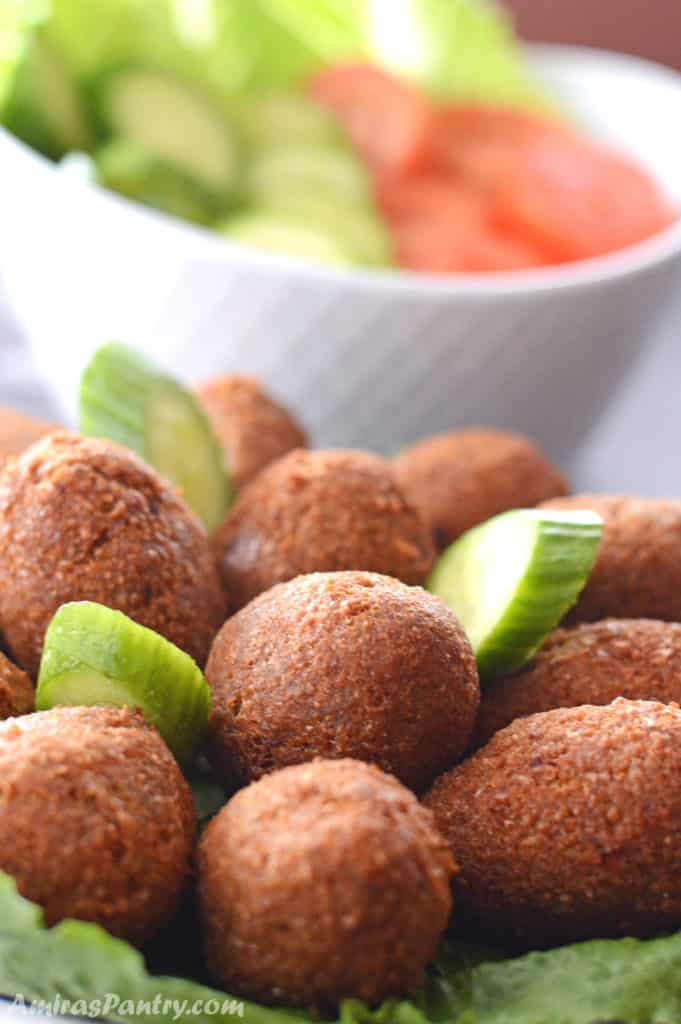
(125, 398)
(317, 170)
(511, 580)
(43, 105)
(360, 230)
(171, 121)
(276, 232)
(128, 169)
(270, 119)
(96, 656)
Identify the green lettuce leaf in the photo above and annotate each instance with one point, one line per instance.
(94, 34)
(16, 17)
(623, 981)
(456, 49)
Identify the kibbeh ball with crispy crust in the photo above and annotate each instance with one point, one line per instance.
(96, 820)
(85, 520)
(322, 882)
(638, 571)
(461, 479)
(17, 696)
(592, 663)
(19, 432)
(320, 511)
(342, 665)
(567, 825)
(252, 428)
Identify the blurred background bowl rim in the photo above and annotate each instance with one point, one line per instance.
(661, 248)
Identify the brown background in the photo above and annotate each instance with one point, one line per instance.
(650, 28)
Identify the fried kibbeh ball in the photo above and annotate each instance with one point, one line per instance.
(18, 432)
(341, 665)
(96, 820)
(86, 520)
(591, 663)
(638, 571)
(321, 882)
(252, 428)
(17, 696)
(320, 511)
(461, 479)
(567, 825)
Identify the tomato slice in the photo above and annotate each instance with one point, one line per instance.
(480, 144)
(389, 122)
(441, 227)
(578, 200)
(428, 195)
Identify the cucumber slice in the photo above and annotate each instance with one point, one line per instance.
(277, 233)
(123, 397)
(96, 656)
(43, 105)
(171, 121)
(127, 168)
(512, 579)
(317, 170)
(285, 119)
(361, 231)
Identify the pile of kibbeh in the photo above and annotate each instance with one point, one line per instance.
(383, 785)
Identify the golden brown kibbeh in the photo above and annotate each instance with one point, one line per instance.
(567, 825)
(320, 511)
(342, 665)
(18, 432)
(638, 571)
(321, 882)
(592, 663)
(85, 520)
(17, 696)
(252, 428)
(464, 478)
(96, 820)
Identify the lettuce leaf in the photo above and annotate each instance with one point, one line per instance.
(460, 49)
(16, 17)
(456, 49)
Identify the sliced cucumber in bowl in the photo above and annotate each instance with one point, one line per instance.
(274, 231)
(170, 120)
(358, 228)
(284, 119)
(318, 170)
(128, 169)
(511, 580)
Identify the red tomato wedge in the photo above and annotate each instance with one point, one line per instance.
(480, 144)
(428, 195)
(441, 227)
(578, 200)
(388, 121)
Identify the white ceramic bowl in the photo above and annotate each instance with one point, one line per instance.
(368, 359)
